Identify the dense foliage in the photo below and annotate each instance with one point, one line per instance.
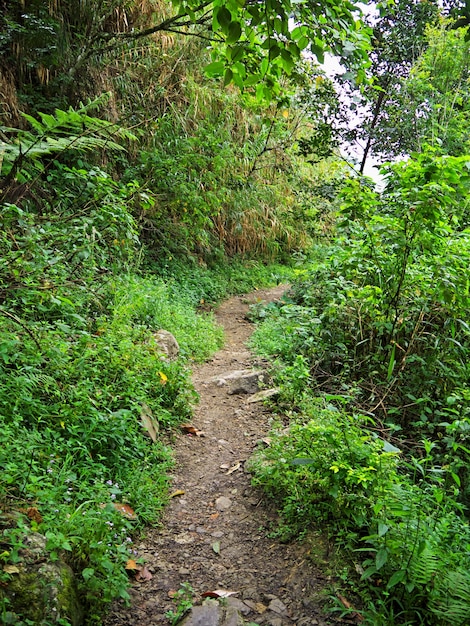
(134, 189)
(106, 237)
(378, 327)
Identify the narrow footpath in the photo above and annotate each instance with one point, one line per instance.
(215, 533)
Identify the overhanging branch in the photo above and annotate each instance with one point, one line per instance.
(171, 24)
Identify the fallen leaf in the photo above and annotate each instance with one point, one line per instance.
(33, 513)
(192, 430)
(216, 547)
(11, 569)
(219, 593)
(347, 605)
(163, 378)
(178, 492)
(344, 602)
(141, 572)
(172, 593)
(149, 422)
(143, 575)
(234, 468)
(214, 515)
(125, 510)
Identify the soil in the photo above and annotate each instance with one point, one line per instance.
(216, 533)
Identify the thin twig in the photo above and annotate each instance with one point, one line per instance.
(18, 321)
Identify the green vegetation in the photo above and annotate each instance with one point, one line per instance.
(372, 356)
(136, 189)
(107, 236)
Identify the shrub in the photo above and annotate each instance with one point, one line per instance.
(327, 472)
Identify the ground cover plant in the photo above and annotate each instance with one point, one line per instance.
(378, 327)
(87, 399)
(403, 533)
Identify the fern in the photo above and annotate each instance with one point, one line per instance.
(53, 134)
(450, 600)
(424, 565)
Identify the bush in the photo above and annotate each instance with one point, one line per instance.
(327, 472)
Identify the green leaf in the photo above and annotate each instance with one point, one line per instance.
(274, 52)
(455, 478)
(381, 558)
(228, 76)
(214, 69)
(234, 32)
(236, 53)
(396, 578)
(370, 571)
(318, 52)
(34, 122)
(391, 363)
(254, 79)
(383, 529)
(88, 572)
(388, 447)
(297, 33)
(224, 17)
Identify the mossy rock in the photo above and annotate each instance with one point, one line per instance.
(42, 591)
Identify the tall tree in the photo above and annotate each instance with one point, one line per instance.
(399, 38)
(435, 99)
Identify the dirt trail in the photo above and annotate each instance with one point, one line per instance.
(215, 535)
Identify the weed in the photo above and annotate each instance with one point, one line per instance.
(183, 599)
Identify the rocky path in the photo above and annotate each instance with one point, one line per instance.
(215, 534)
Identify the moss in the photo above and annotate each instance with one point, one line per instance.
(44, 595)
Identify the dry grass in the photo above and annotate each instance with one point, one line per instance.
(9, 106)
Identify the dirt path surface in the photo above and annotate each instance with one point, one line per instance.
(215, 535)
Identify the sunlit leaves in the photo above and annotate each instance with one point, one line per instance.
(279, 32)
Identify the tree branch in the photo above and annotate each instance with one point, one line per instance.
(168, 25)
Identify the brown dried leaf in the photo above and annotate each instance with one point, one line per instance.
(192, 430)
(132, 566)
(344, 602)
(347, 605)
(149, 422)
(234, 468)
(125, 510)
(143, 574)
(11, 569)
(258, 607)
(214, 515)
(33, 514)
